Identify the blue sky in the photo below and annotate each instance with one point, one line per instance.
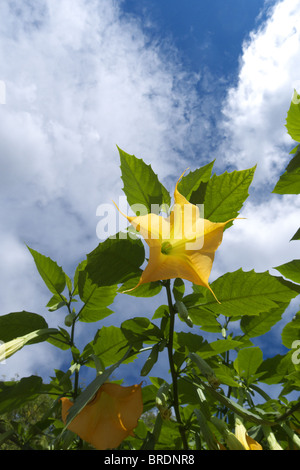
(176, 83)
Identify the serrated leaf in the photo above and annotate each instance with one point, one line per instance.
(141, 184)
(52, 274)
(225, 194)
(289, 181)
(293, 118)
(247, 293)
(115, 260)
(290, 270)
(190, 183)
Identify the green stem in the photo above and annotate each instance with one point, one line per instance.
(172, 366)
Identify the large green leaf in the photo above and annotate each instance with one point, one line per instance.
(247, 293)
(247, 362)
(16, 324)
(258, 325)
(109, 345)
(96, 299)
(291, 270)
(144, 290)
(140, 329)
(15, 394)
(293, 118)
(289, 181)
(51, 273)
(195, 343)
(226, 194)
(115, 260)
(141, 184)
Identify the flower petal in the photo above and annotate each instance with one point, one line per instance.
(109, 418)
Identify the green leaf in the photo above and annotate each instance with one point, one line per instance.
(226, 375)
(151, 360)
(247, 293)
(178, 289)
(189, 185)
(109, 345)
(141, 184)
(296, 235)
(52, 274)
(150, 289)
(13, 395)
(258, 325)
(247, 362)
(57, 301)
(140, 329)
(115, 260)
(291, 331)
(96, 299)
(293, 118)
(289, 181)
(183, 313)
(18, 324)
(291, 270)
(226, 194)
(205, 430)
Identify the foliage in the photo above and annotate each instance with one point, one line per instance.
(211, 382)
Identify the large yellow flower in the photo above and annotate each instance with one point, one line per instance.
(182, 245)
(109, 418)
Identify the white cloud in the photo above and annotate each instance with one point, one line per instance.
(255, 109)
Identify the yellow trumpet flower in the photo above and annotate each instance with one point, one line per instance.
(182, 245)
(241, 434)
(109, 418)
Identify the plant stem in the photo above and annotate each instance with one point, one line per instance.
(172, 366)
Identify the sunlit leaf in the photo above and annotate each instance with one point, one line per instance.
(290, 270)
(247, 362)
(141, 184)
(247, 293)
(226, 194)
(52, 274)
